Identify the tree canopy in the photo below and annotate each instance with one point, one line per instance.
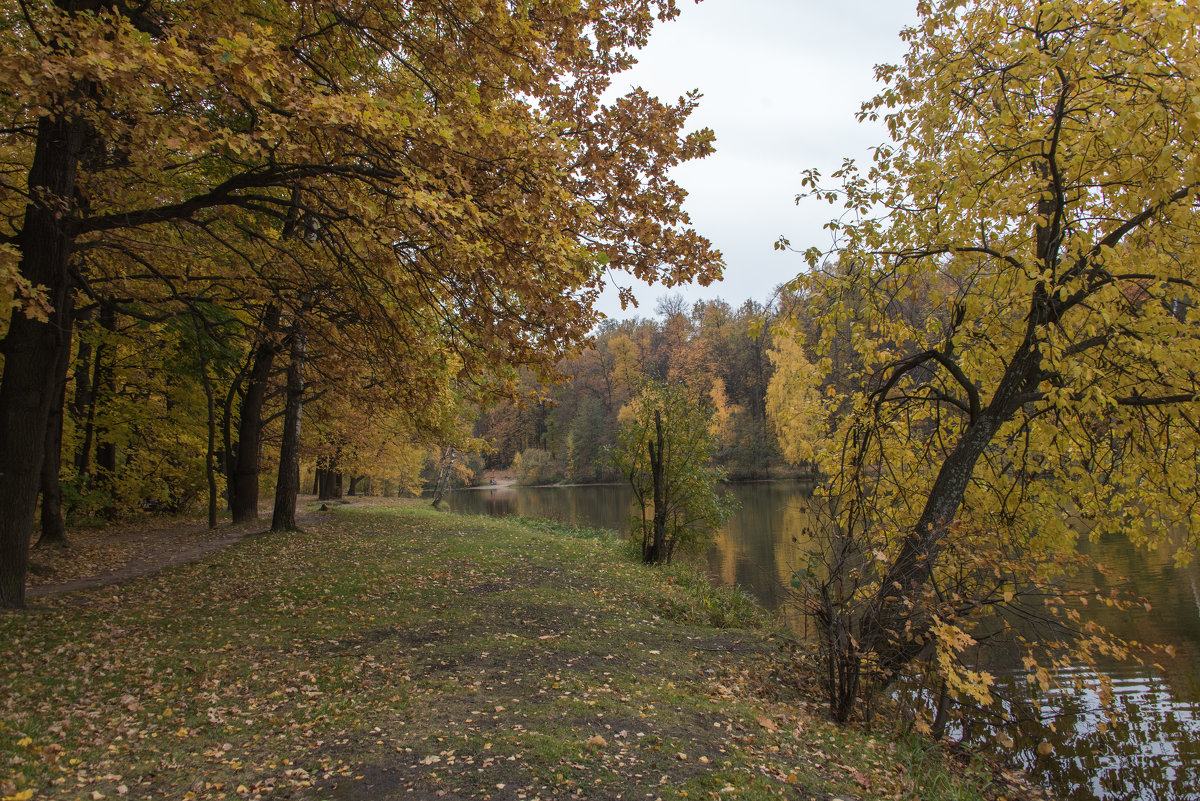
(414, 179)
(1018, 271)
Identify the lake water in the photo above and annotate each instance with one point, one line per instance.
(1150, 752)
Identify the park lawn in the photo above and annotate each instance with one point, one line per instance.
(391, 651)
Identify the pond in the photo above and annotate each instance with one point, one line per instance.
(1151, 752)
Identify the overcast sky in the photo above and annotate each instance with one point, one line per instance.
(782, 80)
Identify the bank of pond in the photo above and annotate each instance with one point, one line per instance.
(1144, 745)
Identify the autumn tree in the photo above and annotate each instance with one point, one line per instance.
(665, 451)
(425, 149)
(718, 352)
(1038, 199)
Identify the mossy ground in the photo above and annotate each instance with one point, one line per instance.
(394, 652)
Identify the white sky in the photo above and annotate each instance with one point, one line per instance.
(782, 81)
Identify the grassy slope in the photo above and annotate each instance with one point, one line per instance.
(402, 653)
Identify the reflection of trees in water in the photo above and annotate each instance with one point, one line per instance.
(763, 544)
(1147, 748)
(591, 506)
(1146, 745)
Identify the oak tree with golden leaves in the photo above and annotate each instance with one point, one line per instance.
(446, 176)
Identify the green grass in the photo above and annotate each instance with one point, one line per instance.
(399, 652)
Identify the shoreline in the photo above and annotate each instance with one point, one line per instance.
(540, 666)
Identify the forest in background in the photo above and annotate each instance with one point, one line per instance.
(562, 432)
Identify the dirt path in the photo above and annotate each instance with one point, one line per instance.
(99, 557)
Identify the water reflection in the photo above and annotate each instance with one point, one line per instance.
(1149, 747)
(1150, 751)
(594, 506)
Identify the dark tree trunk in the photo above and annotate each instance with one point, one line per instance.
(353, 485)
(288, 485)
(445, 474)
(89, 365)
(105, 388)
(210, 454)
(329, 477)
(210, 459)
(27, 389)
(227, 456)
(82, 401)
(325, 488)
(54, 531)
(657, 552)
(243, 483)
(890, 613)
(941, 718)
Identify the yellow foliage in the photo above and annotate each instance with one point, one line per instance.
(1010, 311)
(950, 641)
(796, 406)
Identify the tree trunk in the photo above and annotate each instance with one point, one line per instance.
(227, 456)
(104, 387)
(89, 367)
(288, 485)
(243, 483)
(27, 389)
(657, 552)
(941, 718)
(54, 530)
(890, 612)
(353, 485)
(445, 473)
(327, 482)
(210, 454)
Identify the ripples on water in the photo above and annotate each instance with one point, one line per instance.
(1147, 749)
(1150, 751)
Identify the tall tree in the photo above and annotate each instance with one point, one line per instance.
(1040, 200)
(436, 144)
(243, 457)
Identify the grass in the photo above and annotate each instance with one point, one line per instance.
(399, 652)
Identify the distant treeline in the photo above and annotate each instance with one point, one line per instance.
(562, 432)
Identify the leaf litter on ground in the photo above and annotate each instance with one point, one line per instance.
(390, 651)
